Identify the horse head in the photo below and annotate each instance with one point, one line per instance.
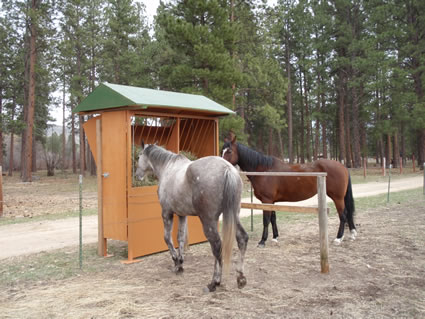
(143, 164)
(230, 149)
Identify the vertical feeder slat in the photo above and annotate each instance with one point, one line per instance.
(323, 224)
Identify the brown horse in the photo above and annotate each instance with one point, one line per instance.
(270, 189)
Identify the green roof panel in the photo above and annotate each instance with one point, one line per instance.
(108, 95)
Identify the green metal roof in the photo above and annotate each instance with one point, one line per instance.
(108, 95)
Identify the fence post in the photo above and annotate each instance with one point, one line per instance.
(323, 224)
(101, 241)
(1, 191)
(80, 182)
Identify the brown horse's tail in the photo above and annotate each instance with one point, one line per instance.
(349, 203)
(230, 206)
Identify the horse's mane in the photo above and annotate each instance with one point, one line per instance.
(249, 159)
(160, 155)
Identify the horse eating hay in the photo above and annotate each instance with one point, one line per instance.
(206, 188)
(271, 189)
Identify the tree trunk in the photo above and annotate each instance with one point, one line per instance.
(356, 129)
(307, 120)
(324, 128)
(27, 169)
(421, 148)
(396, 150)
(270, 146)
(63, 126)
(388, 150)
(74, 150)
(282, 154)
(82, 148)
(34, 154)
(348, 139)
(289, 104)
(341, 119)
(1, 127)
(316, 140)
(302, 144)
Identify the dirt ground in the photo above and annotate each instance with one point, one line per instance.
(46, 195)
(379, 275)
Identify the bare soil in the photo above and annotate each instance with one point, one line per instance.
(46, 195)
(379, 275)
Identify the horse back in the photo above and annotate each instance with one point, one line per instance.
(296, 188)
(206, 179)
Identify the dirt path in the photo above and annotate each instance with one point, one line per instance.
(379, 275)
(34, 237)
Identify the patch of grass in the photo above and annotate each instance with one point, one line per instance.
(59, 264)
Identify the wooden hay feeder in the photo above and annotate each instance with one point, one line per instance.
(123, 116)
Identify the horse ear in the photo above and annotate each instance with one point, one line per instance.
(232, 137)
(143, 145)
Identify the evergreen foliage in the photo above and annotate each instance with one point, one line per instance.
(308, 78)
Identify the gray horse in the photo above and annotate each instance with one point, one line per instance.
(206, 188)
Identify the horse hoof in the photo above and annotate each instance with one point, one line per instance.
(178, 270)
(338, 241)
(261, 245)
(241, 281)
(353, 234)
(211, 287)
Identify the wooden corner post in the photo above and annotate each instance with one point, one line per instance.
(323, 224)
(101, 240)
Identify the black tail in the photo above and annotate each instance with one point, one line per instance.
(349, 204)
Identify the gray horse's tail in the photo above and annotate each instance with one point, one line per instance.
(232, 193)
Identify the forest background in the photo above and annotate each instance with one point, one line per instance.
(308, 79)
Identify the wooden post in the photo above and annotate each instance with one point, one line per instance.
(1, 191)
(401, 165)
(101, 240)
(323, 224)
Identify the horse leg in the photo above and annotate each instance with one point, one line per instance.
(274, 226)
(181, 237)
(211, 232)
(167, 218)
(342, 219)
(242, 239)
(352, 227)
(266, 222)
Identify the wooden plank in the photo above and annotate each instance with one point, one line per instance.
(284, 208)
(323, 224)
(114, 174)
(283, 174)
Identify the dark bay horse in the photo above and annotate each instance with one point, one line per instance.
(206, 188)
(270, 189)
